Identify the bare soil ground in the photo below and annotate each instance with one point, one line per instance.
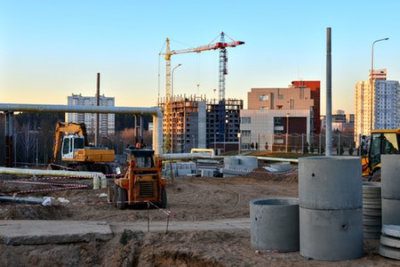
(190, 199)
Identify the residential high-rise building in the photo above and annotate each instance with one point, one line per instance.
(107, 121)
(363, 110)
(387, 105)
(377, 104)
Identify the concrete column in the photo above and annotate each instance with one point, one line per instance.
(328, 120)
(158, 133)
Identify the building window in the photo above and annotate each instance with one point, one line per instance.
(245, 133)
(291, 103)
(263, 98)
(245, 120)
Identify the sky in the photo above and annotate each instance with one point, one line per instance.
(51, 49)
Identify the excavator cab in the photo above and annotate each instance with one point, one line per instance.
(69, 144)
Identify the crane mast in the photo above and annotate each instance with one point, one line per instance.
(223, 70)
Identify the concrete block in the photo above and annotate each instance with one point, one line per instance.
(330, 183)
(275, 224)
(331, 235)
(52, 232)
(390, 211)
(390, 241)
(390, 176)
(389, 252)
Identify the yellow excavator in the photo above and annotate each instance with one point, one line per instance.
(71, 139)
(380, 142)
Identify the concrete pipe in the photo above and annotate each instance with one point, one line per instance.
(248, 162)
(331, 235)
(390, 211)
(330, 183)
(275, 224)
(390, 176)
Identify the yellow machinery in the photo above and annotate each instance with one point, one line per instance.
(142, 182)
(71, 140)
(381, 142)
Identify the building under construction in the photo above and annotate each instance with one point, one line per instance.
(196, 122)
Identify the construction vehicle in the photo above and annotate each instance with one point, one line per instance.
(142, 182)
(71, 140)
(381, 142)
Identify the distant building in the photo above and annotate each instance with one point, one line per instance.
(259, 128)
(301, 95)
(387, 105)
(107, 121)
(223, 124)
(341, 122)
(376, 105)
(315, 88)
(199, 123)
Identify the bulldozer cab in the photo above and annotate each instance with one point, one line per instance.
(70, 144)
(143, 158)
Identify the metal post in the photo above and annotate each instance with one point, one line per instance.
(141, 127)
(9, 134)
(239, 135)
(215, 145)
(287, 131)
(302, 143)
(339, 143)
(37, 148)
(96, 136)
(320, 143)
(328, 134)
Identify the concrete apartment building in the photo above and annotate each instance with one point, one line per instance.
(387, 105)
(274, 112)
(107, 121)
(381, 101)
(200, 123)
(261, 127)
(223, 124)
(301, 95)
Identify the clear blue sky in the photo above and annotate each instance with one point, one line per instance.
(50, 49)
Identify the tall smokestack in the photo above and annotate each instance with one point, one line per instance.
(97, 134)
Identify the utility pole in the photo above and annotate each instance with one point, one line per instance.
(328, 135)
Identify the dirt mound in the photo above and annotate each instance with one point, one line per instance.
(290, 177)
(32, 212)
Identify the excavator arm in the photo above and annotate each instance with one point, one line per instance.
(64, 128)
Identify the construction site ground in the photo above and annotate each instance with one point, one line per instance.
(208, 225)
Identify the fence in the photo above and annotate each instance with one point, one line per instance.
(343, 144)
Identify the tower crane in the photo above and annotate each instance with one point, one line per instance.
(223, 70)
